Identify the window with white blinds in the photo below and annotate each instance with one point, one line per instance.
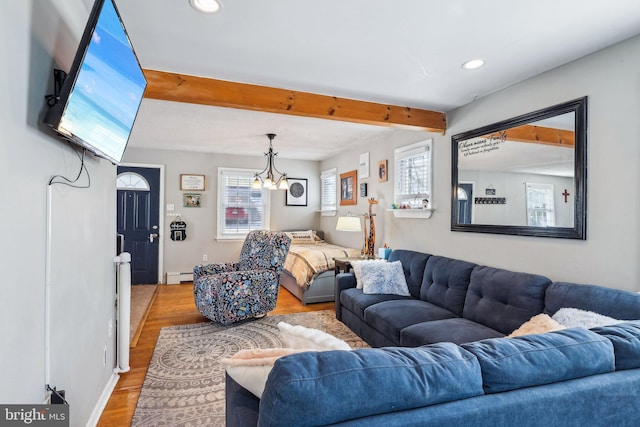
(540, 205)
(329, 192)
(240, 207)
(413, 171)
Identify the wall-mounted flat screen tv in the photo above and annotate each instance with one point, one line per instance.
(101, 95)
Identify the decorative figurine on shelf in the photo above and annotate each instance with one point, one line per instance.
(370, 240)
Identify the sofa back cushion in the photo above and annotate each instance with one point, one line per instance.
(502, 299)
(614, 303)
(333, 386)
(445, 282)
(531, 360)
(625, 338)
(413, 264)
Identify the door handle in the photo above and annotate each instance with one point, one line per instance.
(152, 236)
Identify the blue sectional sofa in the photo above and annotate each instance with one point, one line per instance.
(458, 301)
(445, 360)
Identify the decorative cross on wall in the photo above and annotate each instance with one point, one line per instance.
(566, 194)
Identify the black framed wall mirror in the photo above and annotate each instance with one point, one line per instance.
(524, 176)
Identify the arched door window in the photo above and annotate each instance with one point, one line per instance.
(132, 181)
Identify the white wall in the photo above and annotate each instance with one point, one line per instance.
(82, 235)
(611, 79)
(512, 186)
(201, 222)
(379, 149)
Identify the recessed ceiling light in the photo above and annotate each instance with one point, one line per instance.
(206, 6)
(473, 64)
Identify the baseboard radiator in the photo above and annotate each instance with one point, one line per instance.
(177, 278)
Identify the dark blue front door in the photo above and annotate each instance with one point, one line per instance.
(138, 219)
(465, 204)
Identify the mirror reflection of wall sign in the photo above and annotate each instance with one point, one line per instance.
(297, 192)
(482, 145)
(178, 229)
(192, 200)
(490, 200)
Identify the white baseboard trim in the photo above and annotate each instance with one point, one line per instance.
(102, 402)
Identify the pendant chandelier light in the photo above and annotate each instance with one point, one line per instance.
(269, 181)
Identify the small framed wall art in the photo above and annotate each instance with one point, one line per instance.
(192, 200)
(297, 192)
(348, 188)
(383, 170)
(192, 182)
(363, 166)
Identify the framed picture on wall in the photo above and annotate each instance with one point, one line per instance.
(192, 182)
(383, 171)
(363, 166)
(297, 192)
(348, 188)
(192, 200)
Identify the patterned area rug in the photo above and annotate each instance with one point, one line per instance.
(184, 385)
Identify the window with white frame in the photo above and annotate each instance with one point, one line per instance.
(328, 192)
(240, 207)
(540, 205)
(412, 172)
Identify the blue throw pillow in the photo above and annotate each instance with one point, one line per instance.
(625, 338)
(384, 278)
(333, 386)
(531, 360)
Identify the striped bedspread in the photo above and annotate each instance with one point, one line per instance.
(304, 262)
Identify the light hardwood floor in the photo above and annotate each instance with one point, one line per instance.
(173, 305)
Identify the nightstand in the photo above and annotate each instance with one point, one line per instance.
(343, 264)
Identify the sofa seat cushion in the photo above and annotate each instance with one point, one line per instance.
(357, 301)
(390, 317)
(625, 338)
(531, 360)
(445, 283)
(502, 299)
(455, 330)
(321, 388)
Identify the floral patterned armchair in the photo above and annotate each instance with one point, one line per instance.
(231, 292)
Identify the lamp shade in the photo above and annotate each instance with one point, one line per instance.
(348, 223)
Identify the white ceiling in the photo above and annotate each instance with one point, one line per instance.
(406, 53)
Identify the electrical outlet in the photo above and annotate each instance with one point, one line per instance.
(104, 361)
(110, 328)
(205, 257)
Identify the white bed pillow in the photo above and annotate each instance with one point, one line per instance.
(357, 269)
(307, 237)
(384, 278)
(301, 337)
(576, 318)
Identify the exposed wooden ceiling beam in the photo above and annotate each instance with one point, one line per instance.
(541, 135)
(199, 90)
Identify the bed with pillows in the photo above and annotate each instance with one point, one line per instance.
(309, 269)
